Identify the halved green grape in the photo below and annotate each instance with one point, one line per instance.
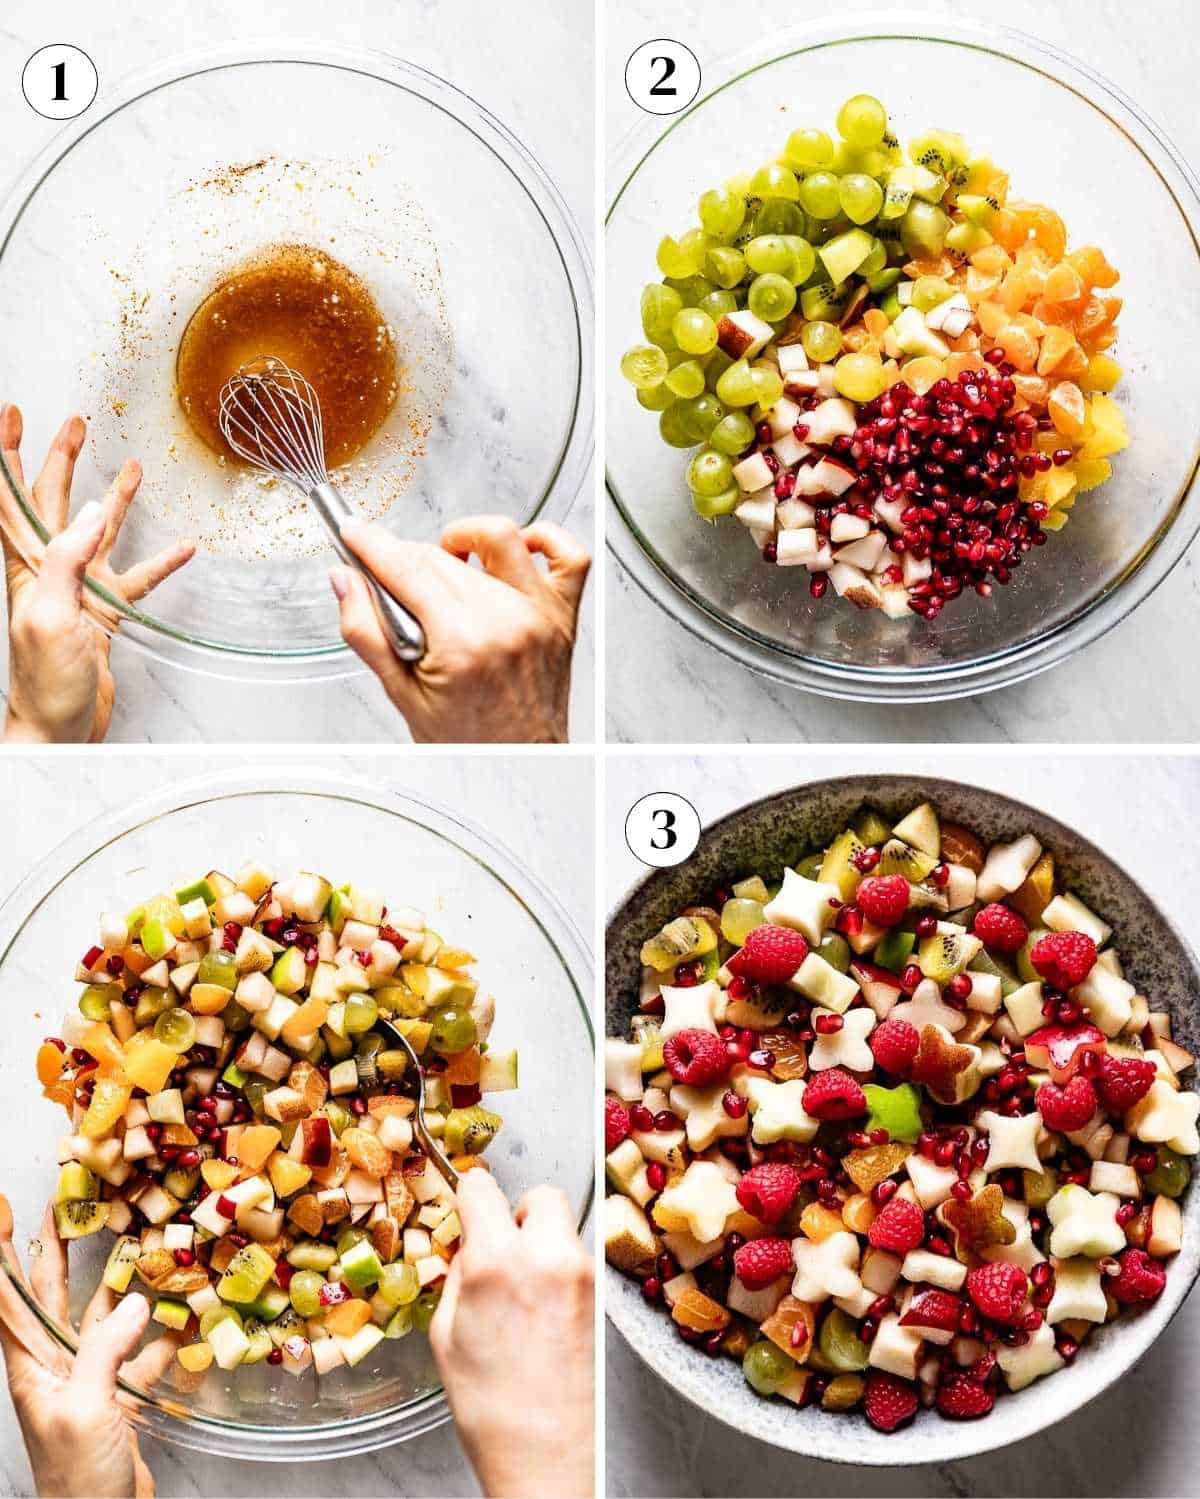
(722, 211)
(218, 968)
(821, 341)
(766, 1367)
(861, 197)
(810, 150)
(715, 365)
(673, 260)
(686, 379)
(644, 366)
(835, 950)
(702, 414)
(659, 305)
(453, 1030)
(862, 120)
(733, 433)
(771, 297)
(709, 507)
(95, 1000)
(176, 1028)
(780, 216)
(399, 1285)
(695, 332)
(929, 292)
(873, 161)
(709, 473)
(739, 918)
(1171, 1175)
(657, 398)
(804, 258)
(719, 304)
(362, 1011)
(671, 428)
(819, 195)
(768, 384)
(859, 377)
(840, 1343)
(725, 265)
(423, 1309)
(692, 289)
(775, 181)
(736, 386)
(304, 1288)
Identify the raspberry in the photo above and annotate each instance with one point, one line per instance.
(761, 1261)
(888, 1402)
(1069, 1108)
(834, 1094)
(768, 1191)
(695, 1057)
(894, 1044)
(1063, 959)
(770, 956)
(999, 927)
(963, 1398)
(900, 1227)
(883, 899)
(616, 1123)
(1123, 1081)
(998, 1290)
(1140, 1278)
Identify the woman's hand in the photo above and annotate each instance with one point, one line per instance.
(60, 686)
(497, 667)
(513, 1338)
(77, 1437)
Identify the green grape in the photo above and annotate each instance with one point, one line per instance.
(739, 918)
(923, 229)
(778, 216)
(766, 1367)
(709, 507)
(861, 197)
(768, 384)
(423, 1309)
(819, 195)
(929, 292)
(686, 379)
(822, 341)
(453, 1031)
(659, 305)
(736, 385)
(719, 304)
(679, 258)
(862, 121)
(775, 181)
(725, 265)
(715, 366)
(875, 261)
(733, 434)
(702, 414)
(768, 252)
(709, 473)
(644, 366)
(176, 1029)
(1171, 1175)
(771, 297)
(859, 377)
(218, 968)
(840, 1343)
(94, 1001)
(722, 211)
(695, 332)
(348, 1238)
(399, 1285)
(804, 258)
(810, 150)
(692, 289)
(672, 430)
(362, 1012)
(835, 950)
(657, 398)
(304, 1288)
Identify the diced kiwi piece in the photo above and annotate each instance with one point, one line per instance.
(470, 1130)
(399, 999)
(944, 954)
(984, 962)
(898, 857)
(172, 1314)
(118, 1272)
(894, 949)
(261, 1345)
(871, 827)
(75, 1220)
(198, 890)
(840, 1343)
(647, 1031)
(1040, 1186)
(825, 302)
(760, 1009)
(181, 1182)
(807, 866)
(837, 867)
(684, 938)
(246, 1275)
(76, 1183)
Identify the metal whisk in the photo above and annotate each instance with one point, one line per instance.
(270, 415)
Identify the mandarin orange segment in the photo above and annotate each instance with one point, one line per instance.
(692, 1308)
(1064, 284)
(109, 1099)
(781, 1327)
(1066, 408)
(1092, 265)
(99, 1042)
(992, 317)
(50, 1063)
(1019, 345)
(1056, 345)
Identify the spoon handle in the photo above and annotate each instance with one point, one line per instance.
(434, 1151)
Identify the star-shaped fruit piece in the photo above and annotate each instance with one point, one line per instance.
(779, 1112)
(1078, 1292)
(897, 1110)
(700, 1202)
(690, 1009)
(1084, 1223)
(977, 1221)
(1022, 1365)
(1167, 1117)
(704, 1116)
(872, 1164)
(825, 1269)
(926, 1008)
(846, 1047)
(949, 1069)
(1011, 1141)
(1022, 1251)
(804, 905)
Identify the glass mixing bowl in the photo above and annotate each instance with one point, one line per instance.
(125, 222)
(530, 957)
(1068, 138)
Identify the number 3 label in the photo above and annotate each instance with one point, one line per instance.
(662, 77)
(59, 81)
(662, 829)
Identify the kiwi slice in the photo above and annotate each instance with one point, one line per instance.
(75, 1220)
(984, 962)
(260, 1341)
(871, 828)
(759, 1011)
(680, 939)
(76, 1184)
(945, 954)
(647, 1032)
(898, 858)
(470, 1131)
(837, 867)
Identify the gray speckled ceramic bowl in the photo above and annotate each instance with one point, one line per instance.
(761, 838)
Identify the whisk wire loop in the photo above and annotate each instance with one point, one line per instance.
(269, 415)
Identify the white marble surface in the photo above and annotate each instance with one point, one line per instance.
(665, 686)
(544, 822)
(530, 63)
(1139, 1438)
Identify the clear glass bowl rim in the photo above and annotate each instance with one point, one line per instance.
(333, 661)
(162, 1417)
(1019, 662)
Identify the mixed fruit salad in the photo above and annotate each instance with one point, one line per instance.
(896, 373)
(242, 1127)
(898, 1132)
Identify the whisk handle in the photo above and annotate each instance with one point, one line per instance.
(404, 632)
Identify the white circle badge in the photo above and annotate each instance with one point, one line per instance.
(662, 77)
(59, 81)
(662, 829)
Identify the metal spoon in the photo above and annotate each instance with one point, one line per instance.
(427, 1142)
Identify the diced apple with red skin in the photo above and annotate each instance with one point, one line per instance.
(833, 418)
(1059, 1050)
(741, 335)
(317, 1149)
(850, 583)
(833, 477)
(880, 987)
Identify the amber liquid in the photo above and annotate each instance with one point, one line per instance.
(304, 307)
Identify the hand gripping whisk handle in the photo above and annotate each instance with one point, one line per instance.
(403, 630)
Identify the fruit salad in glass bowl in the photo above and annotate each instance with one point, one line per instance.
(245, 1132)
(896, 1133)
(896, 371)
